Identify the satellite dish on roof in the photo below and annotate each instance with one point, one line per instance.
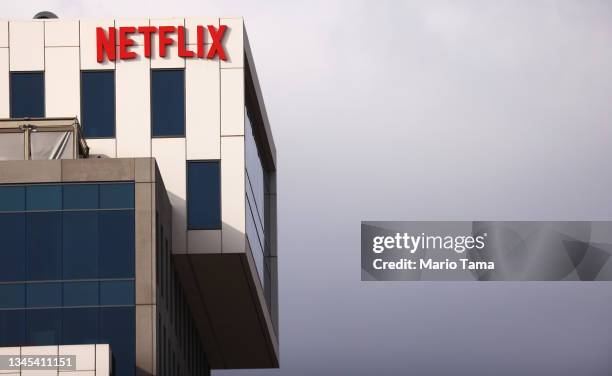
(44, 15)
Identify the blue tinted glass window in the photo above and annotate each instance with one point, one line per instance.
(117, 196)
(117, 293)
(44, 244)
(168, 103)
(44, 295)
(12, 296)
(80, 196)
(12, 252)
(43, 327)
(80, 246)
(117, 244)
(117, 328)
(203, 195)
(27, 94)
(98, 103)
(80, 326)
(12, 328)
(12, 198)
(44, 197)
(80, 294)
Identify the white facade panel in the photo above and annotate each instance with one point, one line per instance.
(103, 360)
(132, 88)
(232, 102)
(85, 356)
(202, 112)
(62, 82)
(172, 59)
(88, 44)
(233, 42)
(106, 147)
(4, 40)
(170, 156)
(204, 241)
(61, 33)
(192, 23)
(4, 83)
(233, 195)
(27, 45)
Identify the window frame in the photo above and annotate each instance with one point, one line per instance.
(152, 71)
(114, 72)
(220, 224)
(11, 98)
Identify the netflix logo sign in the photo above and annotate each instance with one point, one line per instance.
(106, 42)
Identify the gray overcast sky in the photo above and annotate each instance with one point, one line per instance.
(389, 110)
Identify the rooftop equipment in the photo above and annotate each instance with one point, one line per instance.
(41, 138)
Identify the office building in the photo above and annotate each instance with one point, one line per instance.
(137, 197)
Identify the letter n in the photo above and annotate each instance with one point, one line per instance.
(105, 44)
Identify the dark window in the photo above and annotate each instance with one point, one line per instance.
(98, 103)
(27, 94)
(80, 294)
(12, 198)
(12, 328)
(117, 244)
(203, 195)
(43, 327)
(81, 196)
(44, 197)
(117, 293)
(12, 296)
(80, 248)
(44, 294)
(168, 103)
(118, 329)
(12, 253)
(116, 196)
(79, 326)
(44, 244)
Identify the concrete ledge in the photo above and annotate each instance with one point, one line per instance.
(30, 171)
(102, 169)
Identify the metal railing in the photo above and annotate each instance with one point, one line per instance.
(42, 138)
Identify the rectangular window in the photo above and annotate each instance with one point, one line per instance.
(80, 294)
(13, 254)
(80, 326)
(12, 296)
(12, 328)
(27, 90)
(81, 196)
(118, 329)
(117, 243)
(44, 197)
(43, 246)
(256, 189)
(44, 294)
(168, 103)
(12, 198)
(117, 293)
(43, 327)
(80, 246)
(203, 195)
(98, 103)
